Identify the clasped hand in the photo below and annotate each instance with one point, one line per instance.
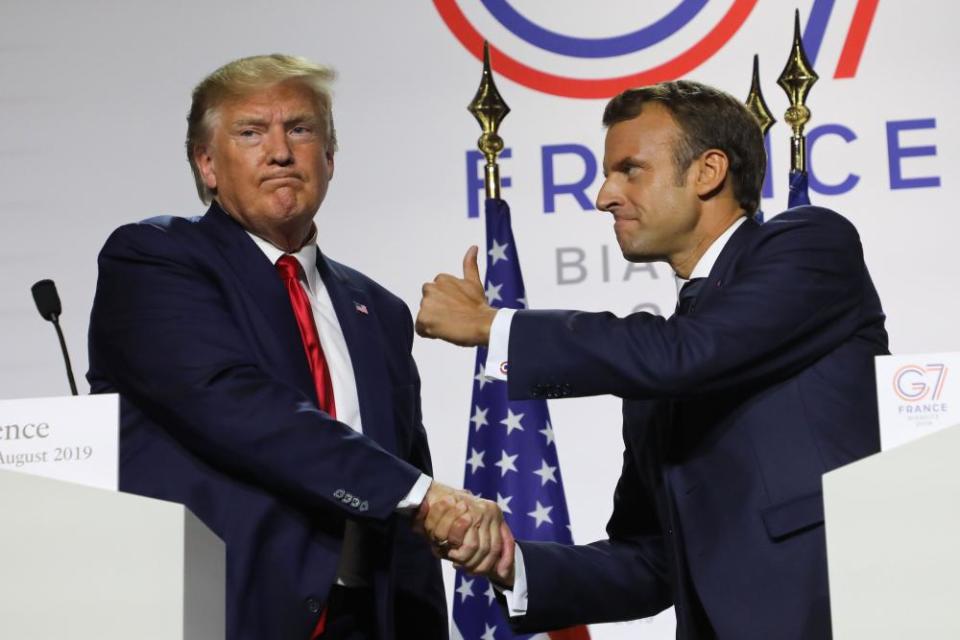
(469, 531)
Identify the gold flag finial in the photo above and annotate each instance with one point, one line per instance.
(755, 102)
(489, 108)
(796, 79)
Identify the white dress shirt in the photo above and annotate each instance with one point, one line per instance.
(498, 366)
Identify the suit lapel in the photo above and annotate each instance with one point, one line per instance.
(727, 258)
(259, 279)
(361, 330)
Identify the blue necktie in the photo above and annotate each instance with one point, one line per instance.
(688, 295)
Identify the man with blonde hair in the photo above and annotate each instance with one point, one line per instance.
(271, 389)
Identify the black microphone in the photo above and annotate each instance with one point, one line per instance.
(48, 304)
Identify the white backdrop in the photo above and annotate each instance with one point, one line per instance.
(94, 95)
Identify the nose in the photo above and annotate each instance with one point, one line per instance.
(609, 197)
(278, 147)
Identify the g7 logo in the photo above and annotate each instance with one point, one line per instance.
(914, 383)
(565, 48)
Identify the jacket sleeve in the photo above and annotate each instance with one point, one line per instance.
(162, 331)
(622, 578)
(796, 296)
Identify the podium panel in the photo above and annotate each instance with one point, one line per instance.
(81, 563)
(893, 542)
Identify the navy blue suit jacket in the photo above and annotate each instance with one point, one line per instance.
(192, 326)
(731, 415)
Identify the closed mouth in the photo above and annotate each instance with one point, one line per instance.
(286, 176)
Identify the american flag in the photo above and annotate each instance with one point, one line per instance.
(798, 190)
(511, 451)
(798, 194)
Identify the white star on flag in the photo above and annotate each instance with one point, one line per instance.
(546, 473)
(488, 632)
(541, 514)
(498, 251)
(465, 589)
(493, 292)
(490, 593)
(504, 503)
(482, 379)
(476, 460)
(506, 463)
(512, 421)
(523, 302)
(548, 434)
(479, 417)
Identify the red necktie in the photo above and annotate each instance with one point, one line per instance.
(289, 270)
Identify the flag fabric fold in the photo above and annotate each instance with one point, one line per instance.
(798, 190)
(798, 195)
(511, 450)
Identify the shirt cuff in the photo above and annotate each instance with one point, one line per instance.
(498, 348)
(516, 597)
(416, 495)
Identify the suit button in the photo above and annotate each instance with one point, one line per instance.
(313, 605)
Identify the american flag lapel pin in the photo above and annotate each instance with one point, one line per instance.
(361, 308)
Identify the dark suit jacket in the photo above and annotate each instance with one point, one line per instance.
(731, 415)
(192, 326)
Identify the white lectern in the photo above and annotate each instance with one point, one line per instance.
(893, 542)
(80, 563)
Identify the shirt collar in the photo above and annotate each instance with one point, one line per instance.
(709, 258)
(306, 256)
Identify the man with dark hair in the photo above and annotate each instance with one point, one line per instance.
(707, 118)
(733, 407)
(271, 389)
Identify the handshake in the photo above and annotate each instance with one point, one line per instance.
(469, 531)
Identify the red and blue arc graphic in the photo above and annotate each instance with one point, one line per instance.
(565, 45)
(856, 35)
(658, 31)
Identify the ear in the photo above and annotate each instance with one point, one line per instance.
(711, 172)
(204, 160)
(329, 157)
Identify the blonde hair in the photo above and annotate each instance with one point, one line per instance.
(242, 77)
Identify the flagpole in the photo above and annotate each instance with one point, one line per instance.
(796, 80)
(489, 108)
(755, 102)
(758, 107)
(511, 448)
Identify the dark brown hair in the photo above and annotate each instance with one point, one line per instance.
(709, 119)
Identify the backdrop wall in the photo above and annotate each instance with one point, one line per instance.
(94, 95)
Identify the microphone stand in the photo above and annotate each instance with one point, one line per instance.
(66, 356)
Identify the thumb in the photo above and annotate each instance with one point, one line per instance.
(471, 272)
(505, 566)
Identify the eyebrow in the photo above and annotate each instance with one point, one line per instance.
(245, 122)
(622, 164)
(301, 117)
(296, 118)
